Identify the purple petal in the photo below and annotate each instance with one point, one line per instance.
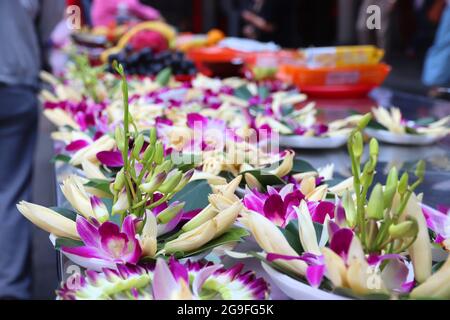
(195, 120)
(319, 210)
(255, 201)
(77, 145)
(164, 284)
(115, 246)
(436, 220)
(108, 229)
(202, 276)
(394, 274)
(96, 264)
(188, 215)
(340, 215)
(88, 233)
(374, 259)
(333, 227)
(341, 240)
(84, 251)
(110, 158)
(274, 209)
(178, 270)
(314, 275)
(129, 227)
(309, 258)
(407, 286)
(134, 252)
(275, 256)
(172, 224)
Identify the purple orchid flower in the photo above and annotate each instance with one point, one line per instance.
(105, 245)
(315, 270)
(278, 205)
(438, 221)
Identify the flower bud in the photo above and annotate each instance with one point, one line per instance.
(403, 184)
(163, 167)
(120, 181)
(350, 209)
(405, 229)
(152, 185)
(206, 214)
(286, 165)
(152, 136)
(225, 219)
(172, 180)
(119, 136)
(375, 206)
(49, 220)
(373, 147)
(138, 143)
(121, 204)
(184, 180)
(159, 152)
(357, 144)
(147, 239)
(149, 153)
(390, 187)
(364, 121)
(420, 169)
(170, 212)
(99, 208)
(192, 239)
(252, 182)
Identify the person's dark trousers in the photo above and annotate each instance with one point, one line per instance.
(18, 131)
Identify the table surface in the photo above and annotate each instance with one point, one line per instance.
(437, 180)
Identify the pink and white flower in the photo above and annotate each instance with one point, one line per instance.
(105, 245)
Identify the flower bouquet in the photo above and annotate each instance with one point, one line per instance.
(122, 227)
(371, 242)
(389, 126)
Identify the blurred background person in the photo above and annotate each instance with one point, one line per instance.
(436, 70)
(108, 12)
(262, 20)
(25, 26)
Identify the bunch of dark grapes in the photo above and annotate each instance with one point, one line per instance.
(146, 62)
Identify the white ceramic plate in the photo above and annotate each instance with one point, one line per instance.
(302, 142)
(403, 139)
(297, 290)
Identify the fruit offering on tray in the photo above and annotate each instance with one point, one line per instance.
(147, 62)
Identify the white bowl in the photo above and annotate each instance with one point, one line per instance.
(298, 290)
(403, 139)
(302, 142)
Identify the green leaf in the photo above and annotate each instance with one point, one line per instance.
(375, 125)
(410, 130)
(302, 166)
(242, 92)
(234, 234)
(265, 178)
(100, 184)
(291, 234)
(163, 77)
(67, 242)
(194, 194)
(60, 157)
(70, 214)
